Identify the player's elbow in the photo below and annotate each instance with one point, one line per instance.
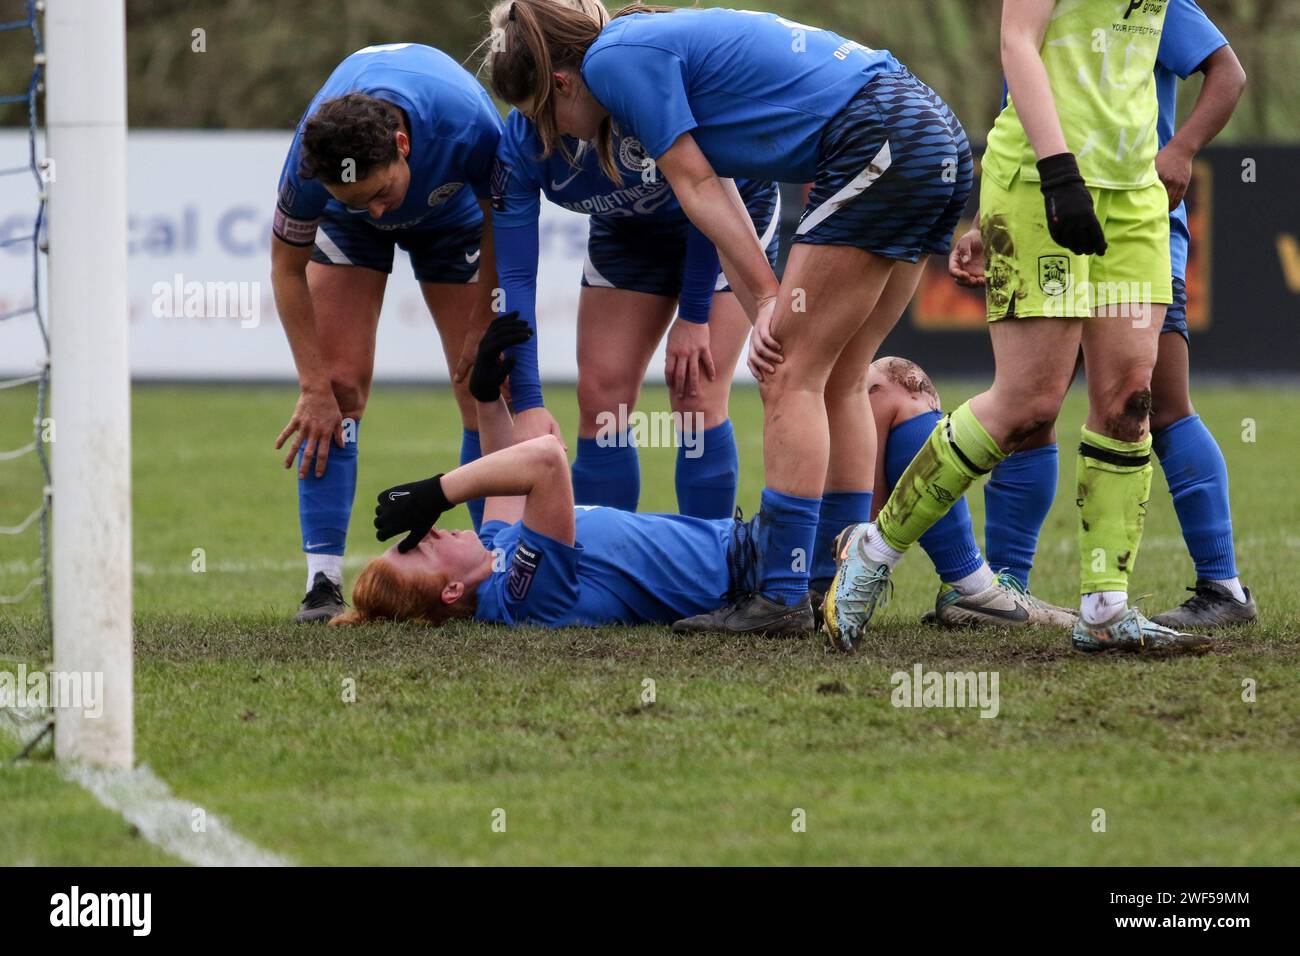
(1238, 77)
(689, 187)
(1013, 44)
(1224, 69)
(687, 170)
(288, 261)
(548, 455)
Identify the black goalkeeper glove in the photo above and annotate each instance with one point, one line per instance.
(413, 508)
(490, 369)
(1071, 219)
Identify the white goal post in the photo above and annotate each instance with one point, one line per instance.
(85, 109)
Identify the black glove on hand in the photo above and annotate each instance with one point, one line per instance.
(490, 369)
(1071, 219)
(413, 508)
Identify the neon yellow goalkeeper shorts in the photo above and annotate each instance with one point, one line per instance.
(1028, 274)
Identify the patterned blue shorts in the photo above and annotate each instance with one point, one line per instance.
(1176, 314)
(445, 253)
(893, 175)
(647, 255)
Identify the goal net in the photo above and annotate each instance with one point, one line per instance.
(81, 509)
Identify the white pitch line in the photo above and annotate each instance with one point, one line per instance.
(141, 798)
(166, 821)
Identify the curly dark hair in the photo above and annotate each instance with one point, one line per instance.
(353, 127)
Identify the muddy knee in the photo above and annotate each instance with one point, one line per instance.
(1127, 420)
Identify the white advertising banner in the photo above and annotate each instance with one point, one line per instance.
(200, 211)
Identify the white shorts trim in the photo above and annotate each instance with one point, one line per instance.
(763, 240)
(593, 276)
(875, 169)
(332, 252)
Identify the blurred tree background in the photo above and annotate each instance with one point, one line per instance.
(265, 58)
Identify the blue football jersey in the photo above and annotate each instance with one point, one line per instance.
(520, 176)
(754, 89)
(1188, 38)
(454, 129)
(624, 568)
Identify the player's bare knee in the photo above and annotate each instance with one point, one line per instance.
(791, 378)
(351, 394)
(689, 404)
(1019, 435)
(772, 388)
(1040, 439)
(598, 394)
(1032, 418)
(1128, 414)
(709, 409)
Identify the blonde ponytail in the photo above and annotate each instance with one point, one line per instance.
(528, 42)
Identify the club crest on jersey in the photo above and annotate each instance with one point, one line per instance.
(1053, 274)
(523, 568)
(443, 193)
(631, 153)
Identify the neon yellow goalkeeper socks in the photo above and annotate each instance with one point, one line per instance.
(1114, 487)
(957, 452)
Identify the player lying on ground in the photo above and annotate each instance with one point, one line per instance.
(1020, 489)
(644, 261)
(393, 151)
(1073, 140)
(537, 558)
(715, 94)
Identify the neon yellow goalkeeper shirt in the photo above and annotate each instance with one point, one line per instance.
(1100, 57)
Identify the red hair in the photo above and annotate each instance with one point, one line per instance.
(383, 592)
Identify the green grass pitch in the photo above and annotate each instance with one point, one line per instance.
(243, 714)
